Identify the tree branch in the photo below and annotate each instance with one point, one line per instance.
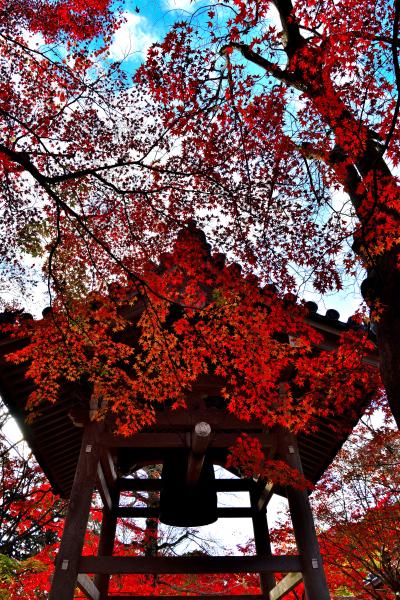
(294, 41)
(262, 62)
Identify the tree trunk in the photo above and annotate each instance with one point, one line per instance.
(388, 333)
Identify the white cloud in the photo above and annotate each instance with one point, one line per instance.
(186, 5)
(135, 36)
(35, 40)
(273, 17)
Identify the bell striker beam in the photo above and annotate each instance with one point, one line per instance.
(200, 441)
(67, 561)
(314, 579)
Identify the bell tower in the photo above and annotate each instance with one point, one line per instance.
(188, 497)
(80, 455)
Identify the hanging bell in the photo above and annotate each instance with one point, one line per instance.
(186, 503)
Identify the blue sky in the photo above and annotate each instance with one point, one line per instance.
(146, 22)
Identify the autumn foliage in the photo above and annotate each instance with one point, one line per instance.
(356, 507)
(275, 126)
(248, 117)
(143, 346)
(74, 19)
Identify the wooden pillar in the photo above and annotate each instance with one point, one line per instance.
(261, 540)
(314, 579)
(106, 542)
(67, 561)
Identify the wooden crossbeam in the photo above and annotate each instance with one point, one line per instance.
(133, 512)
(86, 585)
(153, 485)
(188, 564)
(180, 439)
(208, 597)
(286, 585)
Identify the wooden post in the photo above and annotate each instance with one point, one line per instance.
(106, 542)
(67, 561)
(261, 540)
(314, 579)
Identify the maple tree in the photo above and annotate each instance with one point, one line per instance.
(356, 505)
(278, 106)
(248, 127)
(31, 518)
(28, 509)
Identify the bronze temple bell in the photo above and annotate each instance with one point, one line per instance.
(188, 495)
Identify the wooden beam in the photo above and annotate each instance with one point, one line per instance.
(140, 457)
(184, 419)
(203, 597)
(262, 542)
(286, 585)
(103, 488)
(177, 439)
(86, 585)
(150, 485)
(188, 564)
(106, 544)
(223, 512)
(148, 440)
